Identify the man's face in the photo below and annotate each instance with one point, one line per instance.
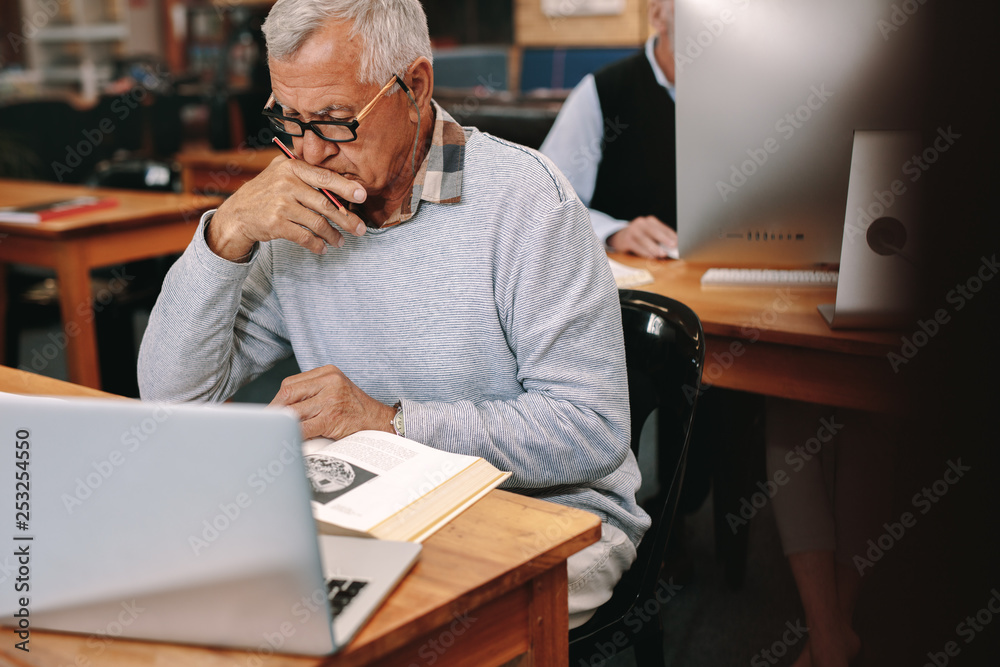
(662, 18)
(319, 82)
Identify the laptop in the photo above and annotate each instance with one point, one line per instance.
(880, 257)
(178, 523)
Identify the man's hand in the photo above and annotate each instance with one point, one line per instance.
(330, 405)
(280, 203)
(646, 236)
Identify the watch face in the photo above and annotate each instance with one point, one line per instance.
(397, 422)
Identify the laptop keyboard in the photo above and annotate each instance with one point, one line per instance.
(340, 592)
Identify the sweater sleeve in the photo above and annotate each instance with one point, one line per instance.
(216, 326)
(560, 312)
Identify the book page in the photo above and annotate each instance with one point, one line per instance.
(627, 276)
(361, 480)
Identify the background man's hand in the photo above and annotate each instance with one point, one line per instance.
(330, 405)
(646, 236)
(280, 203)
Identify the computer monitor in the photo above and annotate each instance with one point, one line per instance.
(769, 94)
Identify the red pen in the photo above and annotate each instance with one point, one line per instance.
(329, 196)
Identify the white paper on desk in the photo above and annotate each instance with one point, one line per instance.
(627, 276)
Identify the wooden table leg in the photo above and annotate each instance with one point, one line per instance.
(78, 332)
(548, 614)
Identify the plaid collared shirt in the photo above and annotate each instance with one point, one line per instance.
(439, 178)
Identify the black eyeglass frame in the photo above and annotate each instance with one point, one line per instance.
(351, 125)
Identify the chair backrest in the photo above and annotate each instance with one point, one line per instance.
(46, 135)
(665, 352)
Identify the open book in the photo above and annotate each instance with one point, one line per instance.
(375, 484)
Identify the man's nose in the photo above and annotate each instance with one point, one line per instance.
(314, 149)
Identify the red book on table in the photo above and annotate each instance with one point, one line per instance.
(54, 209)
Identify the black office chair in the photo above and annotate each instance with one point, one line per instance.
(45, 134)
(664, 351)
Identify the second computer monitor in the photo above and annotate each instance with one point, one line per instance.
(769, 94)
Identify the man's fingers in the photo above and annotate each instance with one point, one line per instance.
(339, 186)
(649, 247)
(655, 229)
(312, 428)
(666, 236)
(294, 388)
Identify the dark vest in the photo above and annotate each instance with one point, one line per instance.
(638, 172)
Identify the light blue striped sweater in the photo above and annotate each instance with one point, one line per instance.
(495, 320)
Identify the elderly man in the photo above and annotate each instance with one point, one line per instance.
(460, 297)
(614, 140)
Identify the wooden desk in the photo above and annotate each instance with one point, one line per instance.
(221, 172)
(142, 225)
(490, 587)
(772, 341)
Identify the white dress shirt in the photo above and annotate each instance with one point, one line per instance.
(575, 142)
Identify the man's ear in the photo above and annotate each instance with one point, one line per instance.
(420, 79)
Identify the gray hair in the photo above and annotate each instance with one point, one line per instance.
(393, 32)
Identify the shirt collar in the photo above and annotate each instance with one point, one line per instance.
(661, 78)
(439, 178)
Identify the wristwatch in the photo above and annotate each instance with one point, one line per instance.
(397, 421)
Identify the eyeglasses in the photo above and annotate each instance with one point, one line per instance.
(337, 131)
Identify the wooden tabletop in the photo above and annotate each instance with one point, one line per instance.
(773, 341)
(786, 316)
(240, 158)
(15, 381)
(497, 571)
(134, 209)
(206, 170)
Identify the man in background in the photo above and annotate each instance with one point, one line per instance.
(614, 140)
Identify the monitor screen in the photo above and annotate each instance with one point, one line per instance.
(769, 94)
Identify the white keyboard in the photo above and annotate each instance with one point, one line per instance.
(769, 278)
